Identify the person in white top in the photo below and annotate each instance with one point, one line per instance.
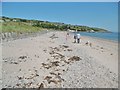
(78, 38)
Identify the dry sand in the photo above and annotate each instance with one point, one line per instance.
(49, 60)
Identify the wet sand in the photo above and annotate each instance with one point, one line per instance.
(49, 60)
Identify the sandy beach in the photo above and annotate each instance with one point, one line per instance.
(49, 60)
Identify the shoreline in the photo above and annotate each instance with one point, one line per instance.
(27, 35)
(112, 40)
(115, 41)
(54, 61)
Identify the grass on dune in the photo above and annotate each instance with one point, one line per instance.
(19, 27)
(0, 27)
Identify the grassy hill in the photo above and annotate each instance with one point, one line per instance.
(18, 27)
(24, 25)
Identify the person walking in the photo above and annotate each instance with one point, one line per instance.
(67, 35)
(75, 37)
(78, 38)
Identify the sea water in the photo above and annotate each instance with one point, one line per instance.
(110, 36)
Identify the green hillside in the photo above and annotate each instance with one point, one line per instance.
(18, 27)
(24, 25)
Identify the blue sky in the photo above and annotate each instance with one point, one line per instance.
(94, 14)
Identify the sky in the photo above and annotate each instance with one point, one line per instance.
(60, 0)
(94, 14)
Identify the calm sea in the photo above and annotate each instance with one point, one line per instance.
(110, 36)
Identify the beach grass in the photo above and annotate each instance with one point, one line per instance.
(19, 27)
